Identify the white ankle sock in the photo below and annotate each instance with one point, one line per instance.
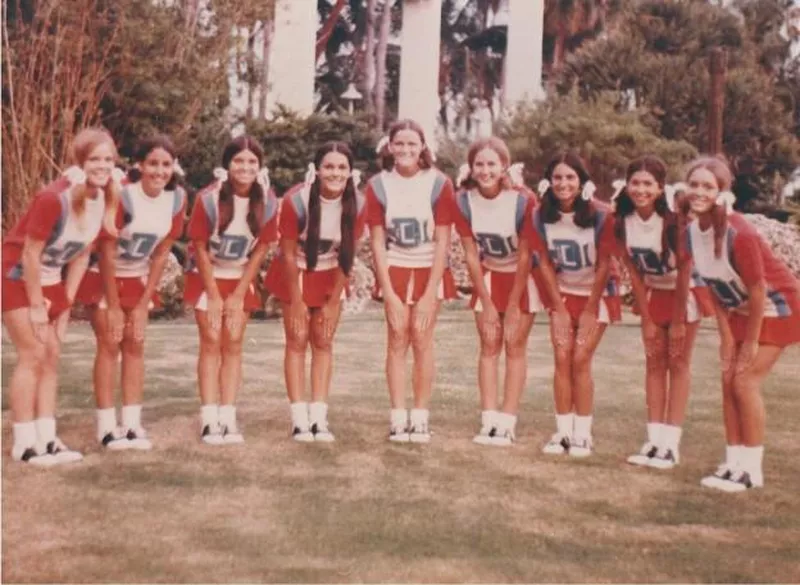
(398, 418)
(583, 427)
(654, 430)
(418, 417)
(506, 422)
(45, 429)
(209, 414)
(671, 437)
(733, 455)
(564, 424)
(299, 412)
(227, 415)
(750, 460)
(489, 418)
(318, 413)
(24, 434)
(106, 421)
(132, 416)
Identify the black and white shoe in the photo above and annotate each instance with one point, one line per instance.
(737, 481)
(137, 439)
(580, 447)
(485, 436)
(212, 434)
(723, 474)
(645, 454)
(115, 440)
(665, 459)
(231, 435)
(302, 435)
(557, 445)
(33, 457)
(322, 433)
(61, 453)
(398, 434)
(419, 433)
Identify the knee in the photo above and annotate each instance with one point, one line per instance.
(398, 341)
(743, 384)
(210, 345)
(516, 350)
(657, 363)
(321, 344)
(491, 349)
(563, 359)
(679, 367)
(134, 349)
(232, 348)
(33, 358)
(581, 360)
(297, 343)
(421, 342)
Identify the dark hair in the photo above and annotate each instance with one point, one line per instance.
(255, 206)
(491, 143)
(425, 158)
(721, 170)
(585, 211)
(624, 205)
(349, 212)
(144, 148)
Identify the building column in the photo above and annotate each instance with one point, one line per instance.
(523, 62)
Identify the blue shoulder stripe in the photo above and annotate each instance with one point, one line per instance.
(600, 221)
(177, 200)
(538, 223)
(296, 201)
(58, 229)
(361, 201)
(379, 189)
(522, 204)
(438, 187)
(463, 206)
(270, 208)
(210, 207)
(779, 300)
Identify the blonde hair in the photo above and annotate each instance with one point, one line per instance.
(491, 143)
(723, 175)
(82, 146)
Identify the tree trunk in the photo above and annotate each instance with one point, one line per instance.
(327, 28)
(380, 67)
(293, 66)
(523, 61)
(368, 84)
(267, 51)
(419, 65)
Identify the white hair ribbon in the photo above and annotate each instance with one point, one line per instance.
(542, 187)
(311, 173)
(671, 194)
(381, 144)
(75, 175)
(727, 199)
(263, 178)
(587, 193)
(618, 186)
(356, 176)
(514, 173)
(177, 169)
(463, 174)
(220, 174)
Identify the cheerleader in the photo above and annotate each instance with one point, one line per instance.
(489, 217)
(320, 222)
(576, 235)
(233, 222)
(408, 210)
(757, 304)
(121, 291)
(56, 232)
(646, 231)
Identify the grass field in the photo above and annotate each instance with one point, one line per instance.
(363, 509)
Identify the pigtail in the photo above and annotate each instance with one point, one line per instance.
(347, 227)
(622, 209)
(255, 208)
(719, 220)
(314, 219)
(225, 206)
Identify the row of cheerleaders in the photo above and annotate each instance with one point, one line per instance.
(688, 254)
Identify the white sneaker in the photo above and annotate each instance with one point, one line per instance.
(322, 433)
(419, 434)
(504, 439)
(399, 434)
(580, 447)
(665, 459)
(137, 439)
(723, 474)
(645, 454)
(31, 456)
(302, 435)
(557, 445)
(231, 435)
(61, 453)
(115, 440)
(212, 434)
(485, 436)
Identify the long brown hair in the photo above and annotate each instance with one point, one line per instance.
(349, 211)
(425, 157)
(718, 167)
(491, 143)
(625, 207)
(255, 197)
(83, 145)
(585, 211)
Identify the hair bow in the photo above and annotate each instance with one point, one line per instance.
(220, 174)
(514, 173)
(75, 175)
(463, 174)
(726, 199)
(263, 178)
(356, 176)
(542, 187)
(618, 186)
(587, 193)
(311, 173)
(177, 169)
(381, 144)
(671, 194)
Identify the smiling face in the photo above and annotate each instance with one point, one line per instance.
(99, 164)
(333, 172)
(566, 184)
(488, 169)
(157, 170)
(702, 191)
(243, 169)
(643, 189)
(406, 147)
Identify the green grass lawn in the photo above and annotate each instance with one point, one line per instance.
(363, 509)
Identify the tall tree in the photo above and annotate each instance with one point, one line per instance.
(384, 30)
